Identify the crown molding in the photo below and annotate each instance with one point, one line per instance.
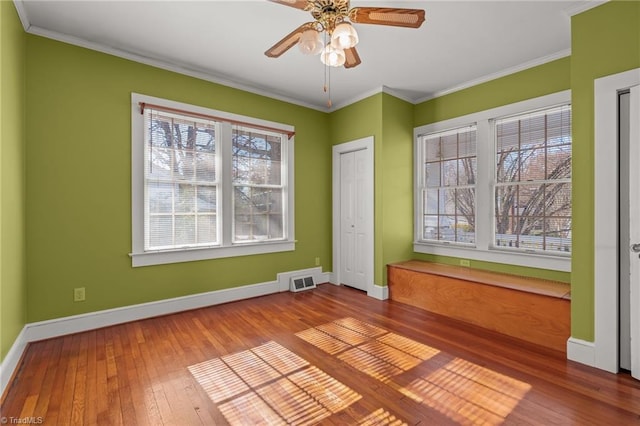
(207, 76)
(502, 73)
(583, 7)
(166, 65)
(355, 99)
(22, 14)
(154, 62)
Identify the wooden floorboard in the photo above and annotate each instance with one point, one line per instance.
(329, 356)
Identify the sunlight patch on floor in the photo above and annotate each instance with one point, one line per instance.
(323, 341)
(468, 393)
(371, 349)
(381, 417)
(369, 364)
(463, 391)
(269, 384)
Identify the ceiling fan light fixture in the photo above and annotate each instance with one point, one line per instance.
(333, 57)
(344, 36)
(310, 42)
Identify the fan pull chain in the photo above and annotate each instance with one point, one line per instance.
(327, 75)
(329, 86)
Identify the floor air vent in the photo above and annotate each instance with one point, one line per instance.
(302, 283)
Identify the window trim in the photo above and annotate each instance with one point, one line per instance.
(140, 257)
(485, 150)
(420, 179)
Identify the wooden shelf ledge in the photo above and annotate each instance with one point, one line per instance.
(514, 282)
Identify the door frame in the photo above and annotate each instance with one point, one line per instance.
(603, 353)
(366, 144)
(634, 176)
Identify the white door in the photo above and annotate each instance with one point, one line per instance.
(353, 227)
(352, 219)
(634, 229)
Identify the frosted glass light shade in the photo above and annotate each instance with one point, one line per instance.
(310, 42)
(344, 36)
(332, 56)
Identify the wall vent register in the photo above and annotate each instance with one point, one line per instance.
(302, 283)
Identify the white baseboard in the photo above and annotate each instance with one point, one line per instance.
(379, 292)
(41, 330)
(581, 351)
(11, 361)
(319, 277)
(93, 320)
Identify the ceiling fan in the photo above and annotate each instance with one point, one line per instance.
(334, 18)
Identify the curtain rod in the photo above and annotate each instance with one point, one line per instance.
(143, 105)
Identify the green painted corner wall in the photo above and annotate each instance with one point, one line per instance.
(13, 281)
(397, 181)
(605, 41)
(79, 183)
(356, 121)
(390, 121)
(538, 81)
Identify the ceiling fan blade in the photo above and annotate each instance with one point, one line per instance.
(411, 18)
(352, 59)
(298, 4)
(288, 41)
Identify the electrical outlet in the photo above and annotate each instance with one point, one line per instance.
(317, 261)
(465, 262)
(78, 294)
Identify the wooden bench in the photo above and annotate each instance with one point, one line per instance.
(531, 309)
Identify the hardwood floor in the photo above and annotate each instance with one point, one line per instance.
(331, 355)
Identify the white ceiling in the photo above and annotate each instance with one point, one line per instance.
(461, 43)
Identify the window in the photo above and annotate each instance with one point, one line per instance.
(257, 186)
(496, 185)
(533, 181)
(181, 185)
(448, 185)
(208, 184)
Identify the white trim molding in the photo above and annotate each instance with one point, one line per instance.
(380, 292)
(225, 247)
(494, 76)
(319, 277)
(366, 144)
(484, 248)
(12, 360)
(84, 322)
(581, 351)
(606, 173)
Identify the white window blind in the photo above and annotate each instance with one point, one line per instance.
(207, 184)
(516, 161)
(181, 183)
(533, 181)
(258, 186)
(448, 185)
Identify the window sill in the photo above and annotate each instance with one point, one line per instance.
(194, 254)
(531, 260)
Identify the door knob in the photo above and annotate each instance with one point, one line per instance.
(635, 248)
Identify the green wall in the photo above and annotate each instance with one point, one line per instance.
(356, 121)
(79, 183)
(605, 41)
(538, 81)
(390, 121)
(13, 281)
(66, 217)
(397, 182)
